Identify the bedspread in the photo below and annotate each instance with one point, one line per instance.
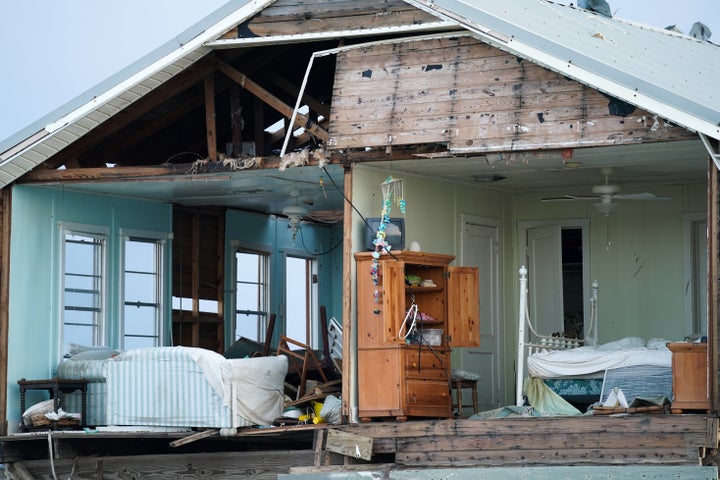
(193, 387)
(594, 360)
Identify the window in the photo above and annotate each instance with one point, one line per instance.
(696, 268)
(251, 294)
(142, 283)
(83, 288)
(300, 294)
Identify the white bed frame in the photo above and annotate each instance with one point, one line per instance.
(544, 342)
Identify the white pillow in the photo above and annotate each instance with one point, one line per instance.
(623, 344)
(657, 344)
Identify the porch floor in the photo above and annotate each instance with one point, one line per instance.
(593, 441)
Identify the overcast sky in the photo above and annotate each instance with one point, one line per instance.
(54, 50)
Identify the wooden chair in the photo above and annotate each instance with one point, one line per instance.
(301, 362)
(268, 338)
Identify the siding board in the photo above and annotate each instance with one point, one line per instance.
(472, 97)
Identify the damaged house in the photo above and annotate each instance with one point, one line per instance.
(544, 184)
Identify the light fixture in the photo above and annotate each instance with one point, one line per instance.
(295, 213)
(606, 208)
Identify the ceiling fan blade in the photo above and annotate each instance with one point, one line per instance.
(639, 196)
(563, 198)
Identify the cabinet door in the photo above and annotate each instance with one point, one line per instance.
(393, 299)
(463, 307)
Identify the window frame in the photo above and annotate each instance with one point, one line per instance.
(312, 325)
(263, 316)
(101, 335)
(160, 239)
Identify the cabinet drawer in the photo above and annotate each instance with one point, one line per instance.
(427, 398)
(431, 365)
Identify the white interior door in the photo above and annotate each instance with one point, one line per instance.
(545, 287)
(480, 248)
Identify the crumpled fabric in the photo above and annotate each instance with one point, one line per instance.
(545, 401)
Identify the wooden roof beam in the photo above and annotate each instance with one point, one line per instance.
(271, 100)
(114, 149)
(172, 87)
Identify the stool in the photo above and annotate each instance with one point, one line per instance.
(457, 385)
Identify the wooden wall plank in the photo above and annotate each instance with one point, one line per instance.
(527, 457)
(289, 17)
(265, 465)
(472, 97)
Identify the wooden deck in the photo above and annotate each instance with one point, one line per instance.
(660, 445)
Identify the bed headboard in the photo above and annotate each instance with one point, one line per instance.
(553, 341)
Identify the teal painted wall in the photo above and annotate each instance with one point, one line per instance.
(271, 235)
(37, 212)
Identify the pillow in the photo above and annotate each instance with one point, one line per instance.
(657, 344)
(73, 349)
(623, 344)
(95, 354)
(46, 406)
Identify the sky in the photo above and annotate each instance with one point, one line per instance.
(52, 51)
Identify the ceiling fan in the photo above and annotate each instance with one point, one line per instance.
(606, 193)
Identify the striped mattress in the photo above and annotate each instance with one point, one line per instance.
(191, 387)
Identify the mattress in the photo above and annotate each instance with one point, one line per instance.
(594, 360)
(91, 366)
(193, 387)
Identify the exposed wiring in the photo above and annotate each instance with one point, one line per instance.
(52, 454)
(354, 208)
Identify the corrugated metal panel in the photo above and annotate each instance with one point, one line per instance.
(65, 128)
(666, 73)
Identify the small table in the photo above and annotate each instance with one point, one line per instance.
(54, 386)
(691, 390)
(458, 384)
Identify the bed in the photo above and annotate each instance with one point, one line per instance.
(193, 387)
(582, 373)
(178, 387)
(88, 364)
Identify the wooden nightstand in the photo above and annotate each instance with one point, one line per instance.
(689, 377)
(54, 386)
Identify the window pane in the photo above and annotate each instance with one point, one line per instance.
(79, 335)
(139, 342)
(247, 326)
(140, 287)
(250, 295)
(80, 317)
(140, 320)
(142, 314)
(141, 256)
(247, 265)
(84, 299)
(296, 296)
(82, 286)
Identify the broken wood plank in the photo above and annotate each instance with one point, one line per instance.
(349, 444)
(194, 437)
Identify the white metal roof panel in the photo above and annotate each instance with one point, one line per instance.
(669, 74)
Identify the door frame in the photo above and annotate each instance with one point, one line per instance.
(497, 224)
(584, 225)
